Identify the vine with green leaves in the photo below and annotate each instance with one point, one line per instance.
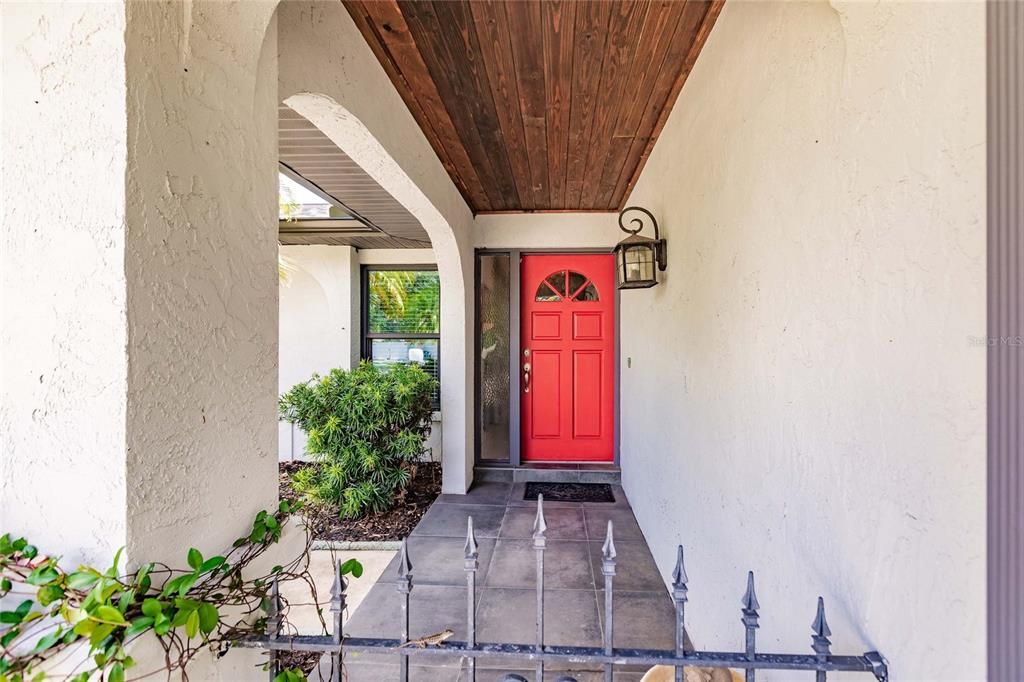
(211, 604)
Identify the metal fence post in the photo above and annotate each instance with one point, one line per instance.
(750, 607)
(404, 586)
(337, 612)
(608, 570)
(539, 544)
(820, 638)
(679, 596)
(472, 565)
(273, 628)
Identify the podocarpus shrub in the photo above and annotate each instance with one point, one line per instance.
(366, 430)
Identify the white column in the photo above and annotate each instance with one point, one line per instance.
(63, 328)
(139, 318)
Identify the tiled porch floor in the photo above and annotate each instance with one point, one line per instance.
(505, 583)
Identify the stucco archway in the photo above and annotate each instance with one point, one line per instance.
(328, 74)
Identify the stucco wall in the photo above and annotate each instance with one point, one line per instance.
(200, 261)
(804, 399)
(63, 366)
(547, 231)
(350, 98)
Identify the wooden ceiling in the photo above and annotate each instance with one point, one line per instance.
(539, 105)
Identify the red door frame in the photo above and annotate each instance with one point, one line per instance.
(569, 413)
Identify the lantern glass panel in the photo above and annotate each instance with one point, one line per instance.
(638, 263)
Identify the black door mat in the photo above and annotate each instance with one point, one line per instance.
(570, 492)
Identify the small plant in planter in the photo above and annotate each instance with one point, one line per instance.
(366, 430)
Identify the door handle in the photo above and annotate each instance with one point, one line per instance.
(526, 376)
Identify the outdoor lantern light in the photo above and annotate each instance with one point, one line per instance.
(636, 255)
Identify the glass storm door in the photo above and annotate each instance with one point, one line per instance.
(567, 358)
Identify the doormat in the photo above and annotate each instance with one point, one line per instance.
(570, 492)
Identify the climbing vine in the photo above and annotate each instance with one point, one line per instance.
(211, 604)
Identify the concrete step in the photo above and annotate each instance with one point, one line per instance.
(551, 473)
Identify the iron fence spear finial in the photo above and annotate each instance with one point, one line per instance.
(820, 638)
(679, 580)
(404, 587)
(679, 577)
(608, 548)
(472, 565)
(540, 526)
(472, 548)
(337, 612)
(608, 570)
(273, 626)
(821, 630)
(404, 563)
(750, 617)
(750, 605)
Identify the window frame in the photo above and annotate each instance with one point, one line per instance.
(366, 337)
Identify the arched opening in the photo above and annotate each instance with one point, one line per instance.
(352, 103)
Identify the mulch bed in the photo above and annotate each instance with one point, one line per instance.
(394, 524)
(306, 661)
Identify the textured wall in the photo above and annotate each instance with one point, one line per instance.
(805, 398)
(318, 323)
(201, 255)
(547, 231)
(349, 97)
(63, 365)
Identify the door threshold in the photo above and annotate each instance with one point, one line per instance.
(549, 472)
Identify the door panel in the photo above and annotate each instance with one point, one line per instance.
(587, 394)
(567, 377)
(547, 394)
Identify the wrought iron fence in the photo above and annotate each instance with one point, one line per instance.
(822, 661)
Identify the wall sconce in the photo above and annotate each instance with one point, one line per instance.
(636, 255)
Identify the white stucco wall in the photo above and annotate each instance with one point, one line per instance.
(547, 231)
(350, 98)
(201, 263)
(63, 365)
(320, 320)
(139, 323)
(803, 398)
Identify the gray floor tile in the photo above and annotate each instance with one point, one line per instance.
(625, 525)
(361, 672)
(562, 523)
(432, 608)
(635, 569)
(566, 565)
(643, 620)
(483, 492)
(570, 618)
(449, 520)
(440, 561)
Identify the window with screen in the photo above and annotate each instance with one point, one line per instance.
(402, 318)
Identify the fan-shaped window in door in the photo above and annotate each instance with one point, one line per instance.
(567, 285)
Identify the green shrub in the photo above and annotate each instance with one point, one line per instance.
(366, 430)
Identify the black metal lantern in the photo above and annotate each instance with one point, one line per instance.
(636, 256)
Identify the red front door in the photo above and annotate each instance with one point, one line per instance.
(567, 357)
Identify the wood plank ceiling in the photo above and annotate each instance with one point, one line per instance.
(539, 104)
